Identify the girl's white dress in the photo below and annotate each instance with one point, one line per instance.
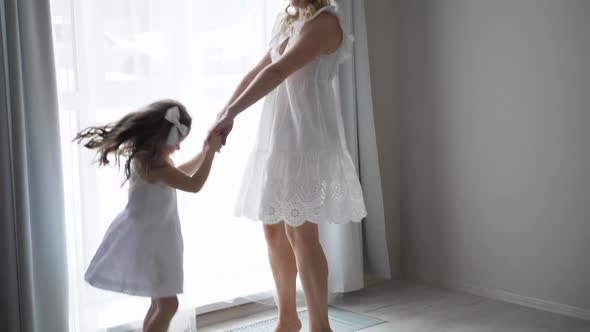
(142, 251)
(300, 169)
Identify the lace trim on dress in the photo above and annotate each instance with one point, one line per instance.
(297, 187)
(320, 202)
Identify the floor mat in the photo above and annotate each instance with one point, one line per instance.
(340, 321)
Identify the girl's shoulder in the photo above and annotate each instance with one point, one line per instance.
(153, 173)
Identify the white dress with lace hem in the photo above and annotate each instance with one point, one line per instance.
(301, 169)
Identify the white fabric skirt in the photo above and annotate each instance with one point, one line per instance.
(139, 259)
(319, 187)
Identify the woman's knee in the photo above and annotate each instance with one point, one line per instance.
(275, 234)
(304, 237)
(167, 305)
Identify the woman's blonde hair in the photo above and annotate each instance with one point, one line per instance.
(303, 13)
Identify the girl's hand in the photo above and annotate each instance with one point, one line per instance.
(224, 124)
(214, 142)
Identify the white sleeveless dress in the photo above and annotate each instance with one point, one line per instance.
(142, 251)
(300, 169)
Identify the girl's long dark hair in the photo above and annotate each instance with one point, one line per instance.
(140, 135)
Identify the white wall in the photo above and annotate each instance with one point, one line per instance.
(495, 155)
(383, 35)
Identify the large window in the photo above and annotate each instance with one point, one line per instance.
(115, 55)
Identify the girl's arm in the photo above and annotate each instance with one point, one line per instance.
(319, 36)
(191, 166)
(176, 178)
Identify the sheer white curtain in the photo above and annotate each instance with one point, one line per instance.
(115, 55)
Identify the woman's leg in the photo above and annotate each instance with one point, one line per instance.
(284, 270)
(150, 314)
(313, 271)
(165, 308)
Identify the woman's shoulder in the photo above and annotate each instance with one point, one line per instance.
(327, 11)
(325, 25)
(327, 19)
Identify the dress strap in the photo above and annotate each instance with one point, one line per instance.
(278, 37)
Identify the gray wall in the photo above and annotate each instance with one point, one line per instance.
(495, 188)
(383, 34)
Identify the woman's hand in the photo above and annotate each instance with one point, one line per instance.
(223, 126)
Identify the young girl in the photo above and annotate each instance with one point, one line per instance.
(141, 253)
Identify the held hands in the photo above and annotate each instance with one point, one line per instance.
(224, 125)
(214, 142)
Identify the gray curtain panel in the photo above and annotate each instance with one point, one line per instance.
(33, 282)
(377, 261)
(356, 250)
(357, 105)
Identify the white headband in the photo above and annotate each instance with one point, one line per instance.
(173, 116)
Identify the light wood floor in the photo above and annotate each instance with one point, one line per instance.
(409, 307)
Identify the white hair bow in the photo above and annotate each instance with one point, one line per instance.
(173, 116)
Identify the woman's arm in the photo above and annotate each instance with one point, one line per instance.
(250, 76)
(314, 40)
(264, 62)
(319, 36)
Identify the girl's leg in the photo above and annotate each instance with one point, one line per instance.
(313, 270)
(284, 270)
(165, 309)
(150, 314)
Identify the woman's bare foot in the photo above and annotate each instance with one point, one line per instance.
(293, 325)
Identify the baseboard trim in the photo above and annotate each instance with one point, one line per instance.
(506, 296)
(223, 315)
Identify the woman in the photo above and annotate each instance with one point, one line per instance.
(301, 173)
